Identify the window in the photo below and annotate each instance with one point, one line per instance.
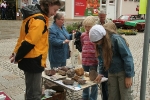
(124, 17)
(137, 0)
(103, 1)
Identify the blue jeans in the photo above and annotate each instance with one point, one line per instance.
(56, 65)
(94, 89)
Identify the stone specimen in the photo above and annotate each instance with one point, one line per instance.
(50, 72)
(93, 74)
(61, 72)
(76, 78)
(70, 73)
(79, 71)
(68, 82)
(64, 68)
(86, 74)
(81, 81)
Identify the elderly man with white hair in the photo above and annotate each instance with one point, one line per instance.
(102, 17)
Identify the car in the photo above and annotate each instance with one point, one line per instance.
(120, 22)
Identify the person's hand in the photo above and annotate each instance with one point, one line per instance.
(73, 32)
(12, 58)
(98, 78)
(66, 41)
(128, 82)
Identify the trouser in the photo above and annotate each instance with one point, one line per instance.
(104, 90)
(87, 95)
(3, 15)
(104, 86)
(116, 87)
(33, 86)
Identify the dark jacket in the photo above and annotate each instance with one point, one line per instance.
(78, 41)
(122, 59)
(32, 47)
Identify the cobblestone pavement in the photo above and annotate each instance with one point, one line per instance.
(12, 79)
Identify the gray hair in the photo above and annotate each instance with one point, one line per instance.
(58, 16)
(102, 11)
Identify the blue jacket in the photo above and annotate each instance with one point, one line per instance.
(58, 52)
(122, 59)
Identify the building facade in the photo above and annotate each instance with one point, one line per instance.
(79, 9)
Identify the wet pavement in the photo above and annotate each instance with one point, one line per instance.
(12, 79)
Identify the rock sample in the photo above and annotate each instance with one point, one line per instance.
(79, 71)
(50, 72)
(64, 68)
(68, 82)
(61, 72)
(76, 78)
(81, 81)
(92, 75)
(70, 73)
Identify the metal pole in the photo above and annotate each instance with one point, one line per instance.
(145, 53)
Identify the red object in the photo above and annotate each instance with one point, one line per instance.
(7, 98)
(137, 9)
(88, 51)
(120, 22)
(79, 7)
(140, 26)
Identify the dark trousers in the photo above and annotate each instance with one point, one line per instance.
(3, 15)
(105, 86)
(33, 86)
(105, 90)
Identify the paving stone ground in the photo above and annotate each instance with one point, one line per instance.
(12, 79)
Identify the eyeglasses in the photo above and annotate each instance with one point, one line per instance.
(62, 19)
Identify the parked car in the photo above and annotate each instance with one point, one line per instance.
(120, 22)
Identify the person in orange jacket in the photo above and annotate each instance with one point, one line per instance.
(32, 46)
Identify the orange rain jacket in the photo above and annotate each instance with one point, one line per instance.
(32, 47)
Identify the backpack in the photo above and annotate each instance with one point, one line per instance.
(36, 17)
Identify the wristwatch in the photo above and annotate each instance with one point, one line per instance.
(63, 42)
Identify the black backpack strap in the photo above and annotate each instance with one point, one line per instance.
(37, 17)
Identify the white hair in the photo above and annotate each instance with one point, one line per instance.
(102, 11)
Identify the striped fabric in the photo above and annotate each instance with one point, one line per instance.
(88, 51)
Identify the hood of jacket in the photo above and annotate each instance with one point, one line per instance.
(31, 10)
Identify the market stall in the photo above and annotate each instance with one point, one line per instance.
(75, 87)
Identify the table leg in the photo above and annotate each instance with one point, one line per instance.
(72, 93)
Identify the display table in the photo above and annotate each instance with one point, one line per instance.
(73, 88)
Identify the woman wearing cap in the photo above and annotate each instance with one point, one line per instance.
(117, 59)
